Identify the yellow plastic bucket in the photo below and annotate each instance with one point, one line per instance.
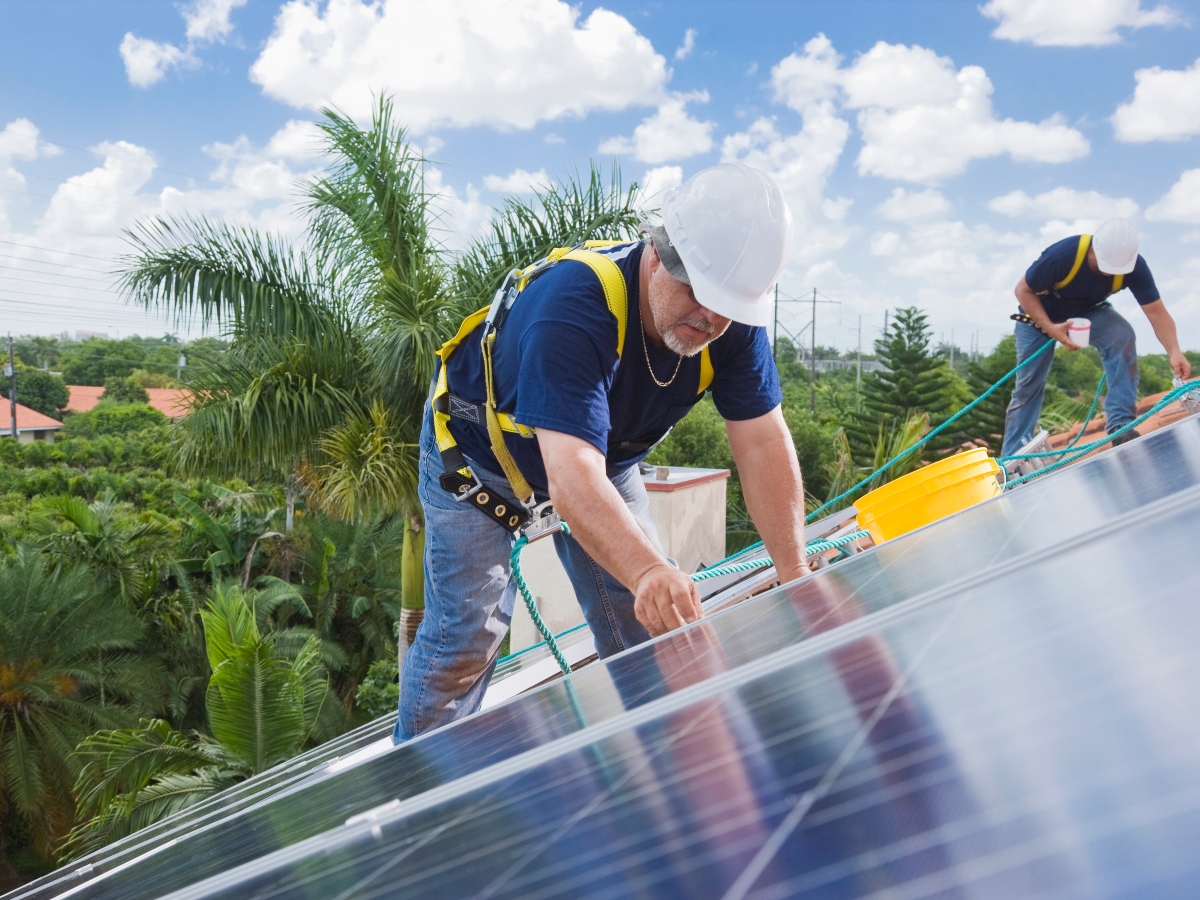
(928, 494)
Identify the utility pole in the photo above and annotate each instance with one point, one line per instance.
(812, 369)
(885, 315)
(11, 372)
(858, 365)
(775, 335)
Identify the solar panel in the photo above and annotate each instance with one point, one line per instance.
(760, 705)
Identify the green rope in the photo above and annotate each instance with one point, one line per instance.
(919, 444)
(820, 545)
(1082, 451)
(1091, 412)
(515, 560)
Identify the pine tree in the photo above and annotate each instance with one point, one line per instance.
(913, 381)
(985, 423)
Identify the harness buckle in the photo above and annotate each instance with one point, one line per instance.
(466, 491)
(543, 522)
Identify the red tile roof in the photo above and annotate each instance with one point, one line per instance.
(171, 402)
(1095, 428)
(83, 397)
(27, 419)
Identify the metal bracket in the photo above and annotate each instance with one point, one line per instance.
(543, 522)
(476, 487)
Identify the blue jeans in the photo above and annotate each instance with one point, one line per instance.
(1113, 337)
(470, 595)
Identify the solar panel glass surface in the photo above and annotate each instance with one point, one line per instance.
(297, 803)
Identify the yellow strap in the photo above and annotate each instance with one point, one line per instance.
(441, 420)
(516, 480)
(1118, 283)
(706, 370)
(613, 284)
(1085, 241)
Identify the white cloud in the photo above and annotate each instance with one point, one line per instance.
(800, 80)
(1064, 203)
(904, 205)
(801, 163)
(208, 20)
(19, 140)
(458, 62)
(1181, 203)
(689, 44)
(1072, 23)
(921, 119)
(655, 183)
(147, 62)
(518, 182)
(885, 243)
(1165, 106)
(670, 133)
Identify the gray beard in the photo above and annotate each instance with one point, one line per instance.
(674, 344)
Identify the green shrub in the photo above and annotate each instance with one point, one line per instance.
(124, 390)
(43, 391)
(107, 418)
(379, 692)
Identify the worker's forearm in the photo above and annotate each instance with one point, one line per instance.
(774, 493)
(600, 520)
(1164, 329)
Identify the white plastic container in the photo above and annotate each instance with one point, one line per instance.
(1080, 331)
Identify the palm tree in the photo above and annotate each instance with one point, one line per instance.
(67, 668)
(126, 551)
(332, 348)
(267, 698)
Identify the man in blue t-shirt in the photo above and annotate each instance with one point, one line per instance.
(588, 391)
(1073, 279)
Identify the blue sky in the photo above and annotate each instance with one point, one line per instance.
(929, 150)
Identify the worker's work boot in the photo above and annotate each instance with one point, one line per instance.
(1126, 437)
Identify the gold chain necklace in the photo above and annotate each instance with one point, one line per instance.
(650, 366)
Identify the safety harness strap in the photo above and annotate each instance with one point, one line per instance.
(458, 478)
(1085, 241)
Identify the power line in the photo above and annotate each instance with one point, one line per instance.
(49, 262)
(5, 278)
(52, 249)
(132, 162)
(26, 271)
(66, 230)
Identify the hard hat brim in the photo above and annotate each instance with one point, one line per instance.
(710, 296)
(1108, 267)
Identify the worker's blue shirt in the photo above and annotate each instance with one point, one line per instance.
(556, 367)
(1087, 289)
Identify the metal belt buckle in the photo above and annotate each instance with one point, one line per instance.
(475, 488)
(543, 522)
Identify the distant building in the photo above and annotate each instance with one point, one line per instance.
(84, 335)
(171, 402)
(31, 425)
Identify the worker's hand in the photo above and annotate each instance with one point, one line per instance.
(1061, 334)
(664, 599)
(800, 571)
(1180, 365)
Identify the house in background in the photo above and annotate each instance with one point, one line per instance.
(31, 425)
(171, 402)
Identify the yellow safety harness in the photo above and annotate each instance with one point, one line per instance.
(1085, 241)
(458, 477)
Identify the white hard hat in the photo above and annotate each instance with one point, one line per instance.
(732, 230)
(1116, 246)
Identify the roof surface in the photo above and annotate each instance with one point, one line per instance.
(171, 402)
(27, 420)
